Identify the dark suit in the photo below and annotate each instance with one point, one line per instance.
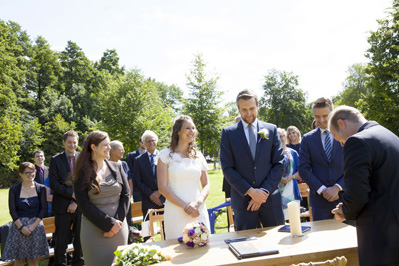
(92, 212)
(371, 193)
(243, 172)
(316, 171)
(147, 182)
(130, 162)
(45, 174)
(58, 175)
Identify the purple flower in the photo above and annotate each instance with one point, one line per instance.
(180, 239)
(191, 232)
(190, 244)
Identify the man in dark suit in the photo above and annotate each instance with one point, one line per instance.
(130, 162)
(64, 204)
(321, 164)
(371, 195)
(252, 161)
(146, 175)
(41, 169)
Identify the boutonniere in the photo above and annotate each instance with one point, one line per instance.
(263, 133)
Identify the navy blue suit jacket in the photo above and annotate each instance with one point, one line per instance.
(243, 172)
(315, 169)
(130, 162)
(146, 181)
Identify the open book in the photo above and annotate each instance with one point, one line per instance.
(252, 248)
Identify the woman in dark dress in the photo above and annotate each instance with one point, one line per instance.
(26, 241)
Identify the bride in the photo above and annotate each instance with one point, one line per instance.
(180, 168)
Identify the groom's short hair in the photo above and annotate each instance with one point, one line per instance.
(246, 95)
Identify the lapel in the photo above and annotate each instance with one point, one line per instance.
(65, 161)
(146, 159)
(258, 139)
(114, 171)
(243, 139)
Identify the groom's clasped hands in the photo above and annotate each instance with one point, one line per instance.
(258, 196)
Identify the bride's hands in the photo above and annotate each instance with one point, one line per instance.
(192, 209)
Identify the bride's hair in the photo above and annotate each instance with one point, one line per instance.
(179, 121)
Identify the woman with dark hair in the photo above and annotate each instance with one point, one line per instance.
(102, 193)
(180, 168)
(26, 241)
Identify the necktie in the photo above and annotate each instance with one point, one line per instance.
(327, 145)
(252, 140)
(152, 163)
(41, 175)
(71, 163)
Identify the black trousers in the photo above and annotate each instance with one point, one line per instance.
(63, 234)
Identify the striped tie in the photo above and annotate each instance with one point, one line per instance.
(327, 145)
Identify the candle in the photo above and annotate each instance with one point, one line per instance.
(295, 220)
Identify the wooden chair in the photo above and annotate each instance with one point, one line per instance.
(137, 213)
(230, 217)
(338, 261)
(304, 190)
(49, 226)
(156, 215)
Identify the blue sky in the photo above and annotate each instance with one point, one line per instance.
(240, 40)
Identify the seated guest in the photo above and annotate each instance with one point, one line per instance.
(293, 138)
(290, 172)
(115, 155)
(27, 203)
(41, 169)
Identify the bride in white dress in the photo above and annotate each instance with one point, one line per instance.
(180, 169)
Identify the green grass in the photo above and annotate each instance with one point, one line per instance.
(4, 212)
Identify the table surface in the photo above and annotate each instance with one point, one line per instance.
(325, 240)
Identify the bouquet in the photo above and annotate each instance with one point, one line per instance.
(138, 255)
(195, 234)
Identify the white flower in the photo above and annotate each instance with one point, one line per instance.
(185, 238)
(204, 236)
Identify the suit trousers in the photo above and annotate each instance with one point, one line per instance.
(267, 216)
(63, 223)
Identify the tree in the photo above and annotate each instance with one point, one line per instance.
(32, 138)
(382, 103)
(354, 87)
(110, 62)
(132, 105)
(283, 103)
(203, 106)
(172, 96)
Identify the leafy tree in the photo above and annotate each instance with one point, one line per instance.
(203, 106)
(354, 87)
(110, 62)
(53, 133)
(171, 96)
(131, 106)
(283, 102)
(382, 103)
(32, 138)
(10, 136)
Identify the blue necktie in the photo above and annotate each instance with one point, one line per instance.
(152, 163)
(327, 145)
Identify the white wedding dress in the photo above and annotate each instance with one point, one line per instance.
(184, 180)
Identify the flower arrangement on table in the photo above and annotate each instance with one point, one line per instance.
(138, 255)
(195, 234)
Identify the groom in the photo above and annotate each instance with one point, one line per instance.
(252, 161)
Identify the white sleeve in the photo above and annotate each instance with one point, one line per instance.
(204, 164)
(164, 156)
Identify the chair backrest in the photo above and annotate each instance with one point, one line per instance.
(338, 261)
(49, 225)
(304, 190)
(136, 209)
(156, 215)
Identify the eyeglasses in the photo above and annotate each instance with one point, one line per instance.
(29, 173)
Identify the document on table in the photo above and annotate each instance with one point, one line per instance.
(253, 248)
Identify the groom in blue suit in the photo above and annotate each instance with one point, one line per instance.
(252, 161)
